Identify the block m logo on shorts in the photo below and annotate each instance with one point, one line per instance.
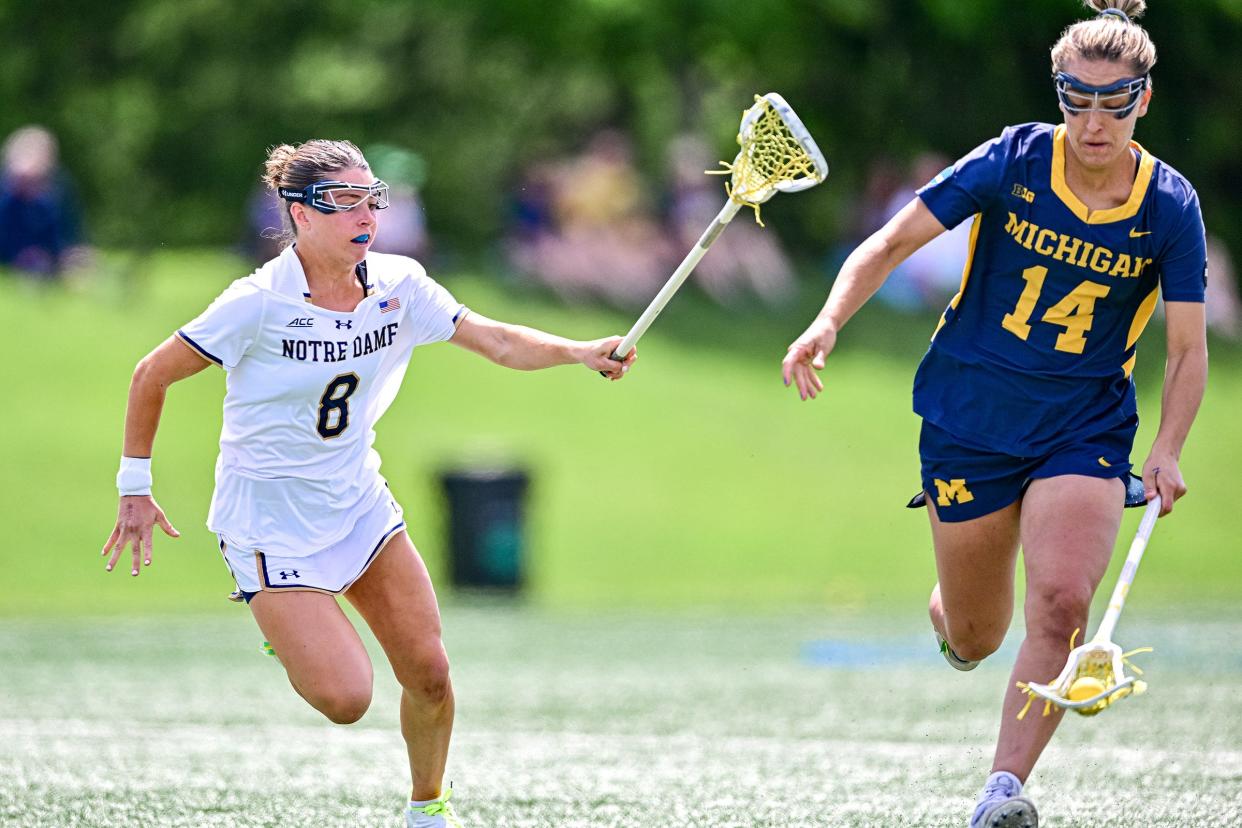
(954, 490)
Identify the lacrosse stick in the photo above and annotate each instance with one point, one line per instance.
(777, 155)
(1095, 675)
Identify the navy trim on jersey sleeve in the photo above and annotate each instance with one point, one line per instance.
(199, 348)
(970, 185)
(461, 313)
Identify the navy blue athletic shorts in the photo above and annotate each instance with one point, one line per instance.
(965, 482)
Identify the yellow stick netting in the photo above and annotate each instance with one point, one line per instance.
(770, 154)
(1097, 665)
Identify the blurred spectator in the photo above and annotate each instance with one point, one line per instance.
(532, 217)
(933, 273)
(1223, 308)
(40, 231)
(584, 228)
(744, 261)
(403, 226)
(885, 178)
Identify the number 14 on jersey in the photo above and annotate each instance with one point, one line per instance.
(1075, 312)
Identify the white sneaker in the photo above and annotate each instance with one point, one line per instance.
(438, 813)
(955, 661)
(1002, 805)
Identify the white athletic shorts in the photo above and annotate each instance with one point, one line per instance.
(332, 569)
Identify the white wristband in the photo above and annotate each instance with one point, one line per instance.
(134, 477)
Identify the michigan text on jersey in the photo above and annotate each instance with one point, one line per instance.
(1074, 251)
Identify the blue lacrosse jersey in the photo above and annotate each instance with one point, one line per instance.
(1037, 347)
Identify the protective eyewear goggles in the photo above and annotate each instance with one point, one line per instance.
(338, 196)
(1117, 99)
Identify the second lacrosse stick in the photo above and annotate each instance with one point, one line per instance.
(777, 154)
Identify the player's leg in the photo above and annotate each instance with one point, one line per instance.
(972, 604)
(396, 598)
(320, 650)
(1069, 528)
(971, 608)
(972, 499)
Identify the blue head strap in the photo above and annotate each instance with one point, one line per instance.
(1131, 89)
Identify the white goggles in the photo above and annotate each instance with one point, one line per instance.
(338, 196)
(1117, 99)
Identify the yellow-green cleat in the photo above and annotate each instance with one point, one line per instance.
(435, 814)
(955, 661)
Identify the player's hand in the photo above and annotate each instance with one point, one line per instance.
(136, 519)
(597, 356)
(806, 356)
(1162, 476)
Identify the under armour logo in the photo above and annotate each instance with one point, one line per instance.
(344, 323)
(286, 574)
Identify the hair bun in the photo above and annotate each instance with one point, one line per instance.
(277, 163)
(1129, 9)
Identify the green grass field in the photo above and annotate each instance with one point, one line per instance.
(601, 720)
(698, 480)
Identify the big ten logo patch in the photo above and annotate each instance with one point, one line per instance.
(1023, 193)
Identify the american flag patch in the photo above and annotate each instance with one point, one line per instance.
(390, 305)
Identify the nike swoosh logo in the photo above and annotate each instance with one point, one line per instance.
(1105, 463)
(1134, 234)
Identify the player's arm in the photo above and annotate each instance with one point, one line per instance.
(861, 276)
(138, 513)
(1185, 378)
(528, 349)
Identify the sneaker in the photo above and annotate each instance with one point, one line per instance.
(955, 661)
(1002, 805)
(437, 813)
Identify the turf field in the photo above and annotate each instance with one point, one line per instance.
(601, 720)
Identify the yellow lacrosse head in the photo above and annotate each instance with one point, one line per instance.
(1094, 678)
(777, 154)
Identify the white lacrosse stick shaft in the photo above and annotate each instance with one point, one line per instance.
(680, 275)
(1137, 547)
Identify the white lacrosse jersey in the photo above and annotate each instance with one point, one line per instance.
(305, 387)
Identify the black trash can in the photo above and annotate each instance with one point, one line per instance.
(486, 510)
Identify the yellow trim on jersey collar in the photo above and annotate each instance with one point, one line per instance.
(1147, 163)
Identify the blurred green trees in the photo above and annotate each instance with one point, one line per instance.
(165, 107)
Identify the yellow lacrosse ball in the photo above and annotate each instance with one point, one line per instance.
(1086, 687)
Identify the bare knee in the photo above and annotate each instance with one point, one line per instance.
(424, 674)
(342, 705)
(972, 638)
(1056, 612)
(974, 642)
(346, 709)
